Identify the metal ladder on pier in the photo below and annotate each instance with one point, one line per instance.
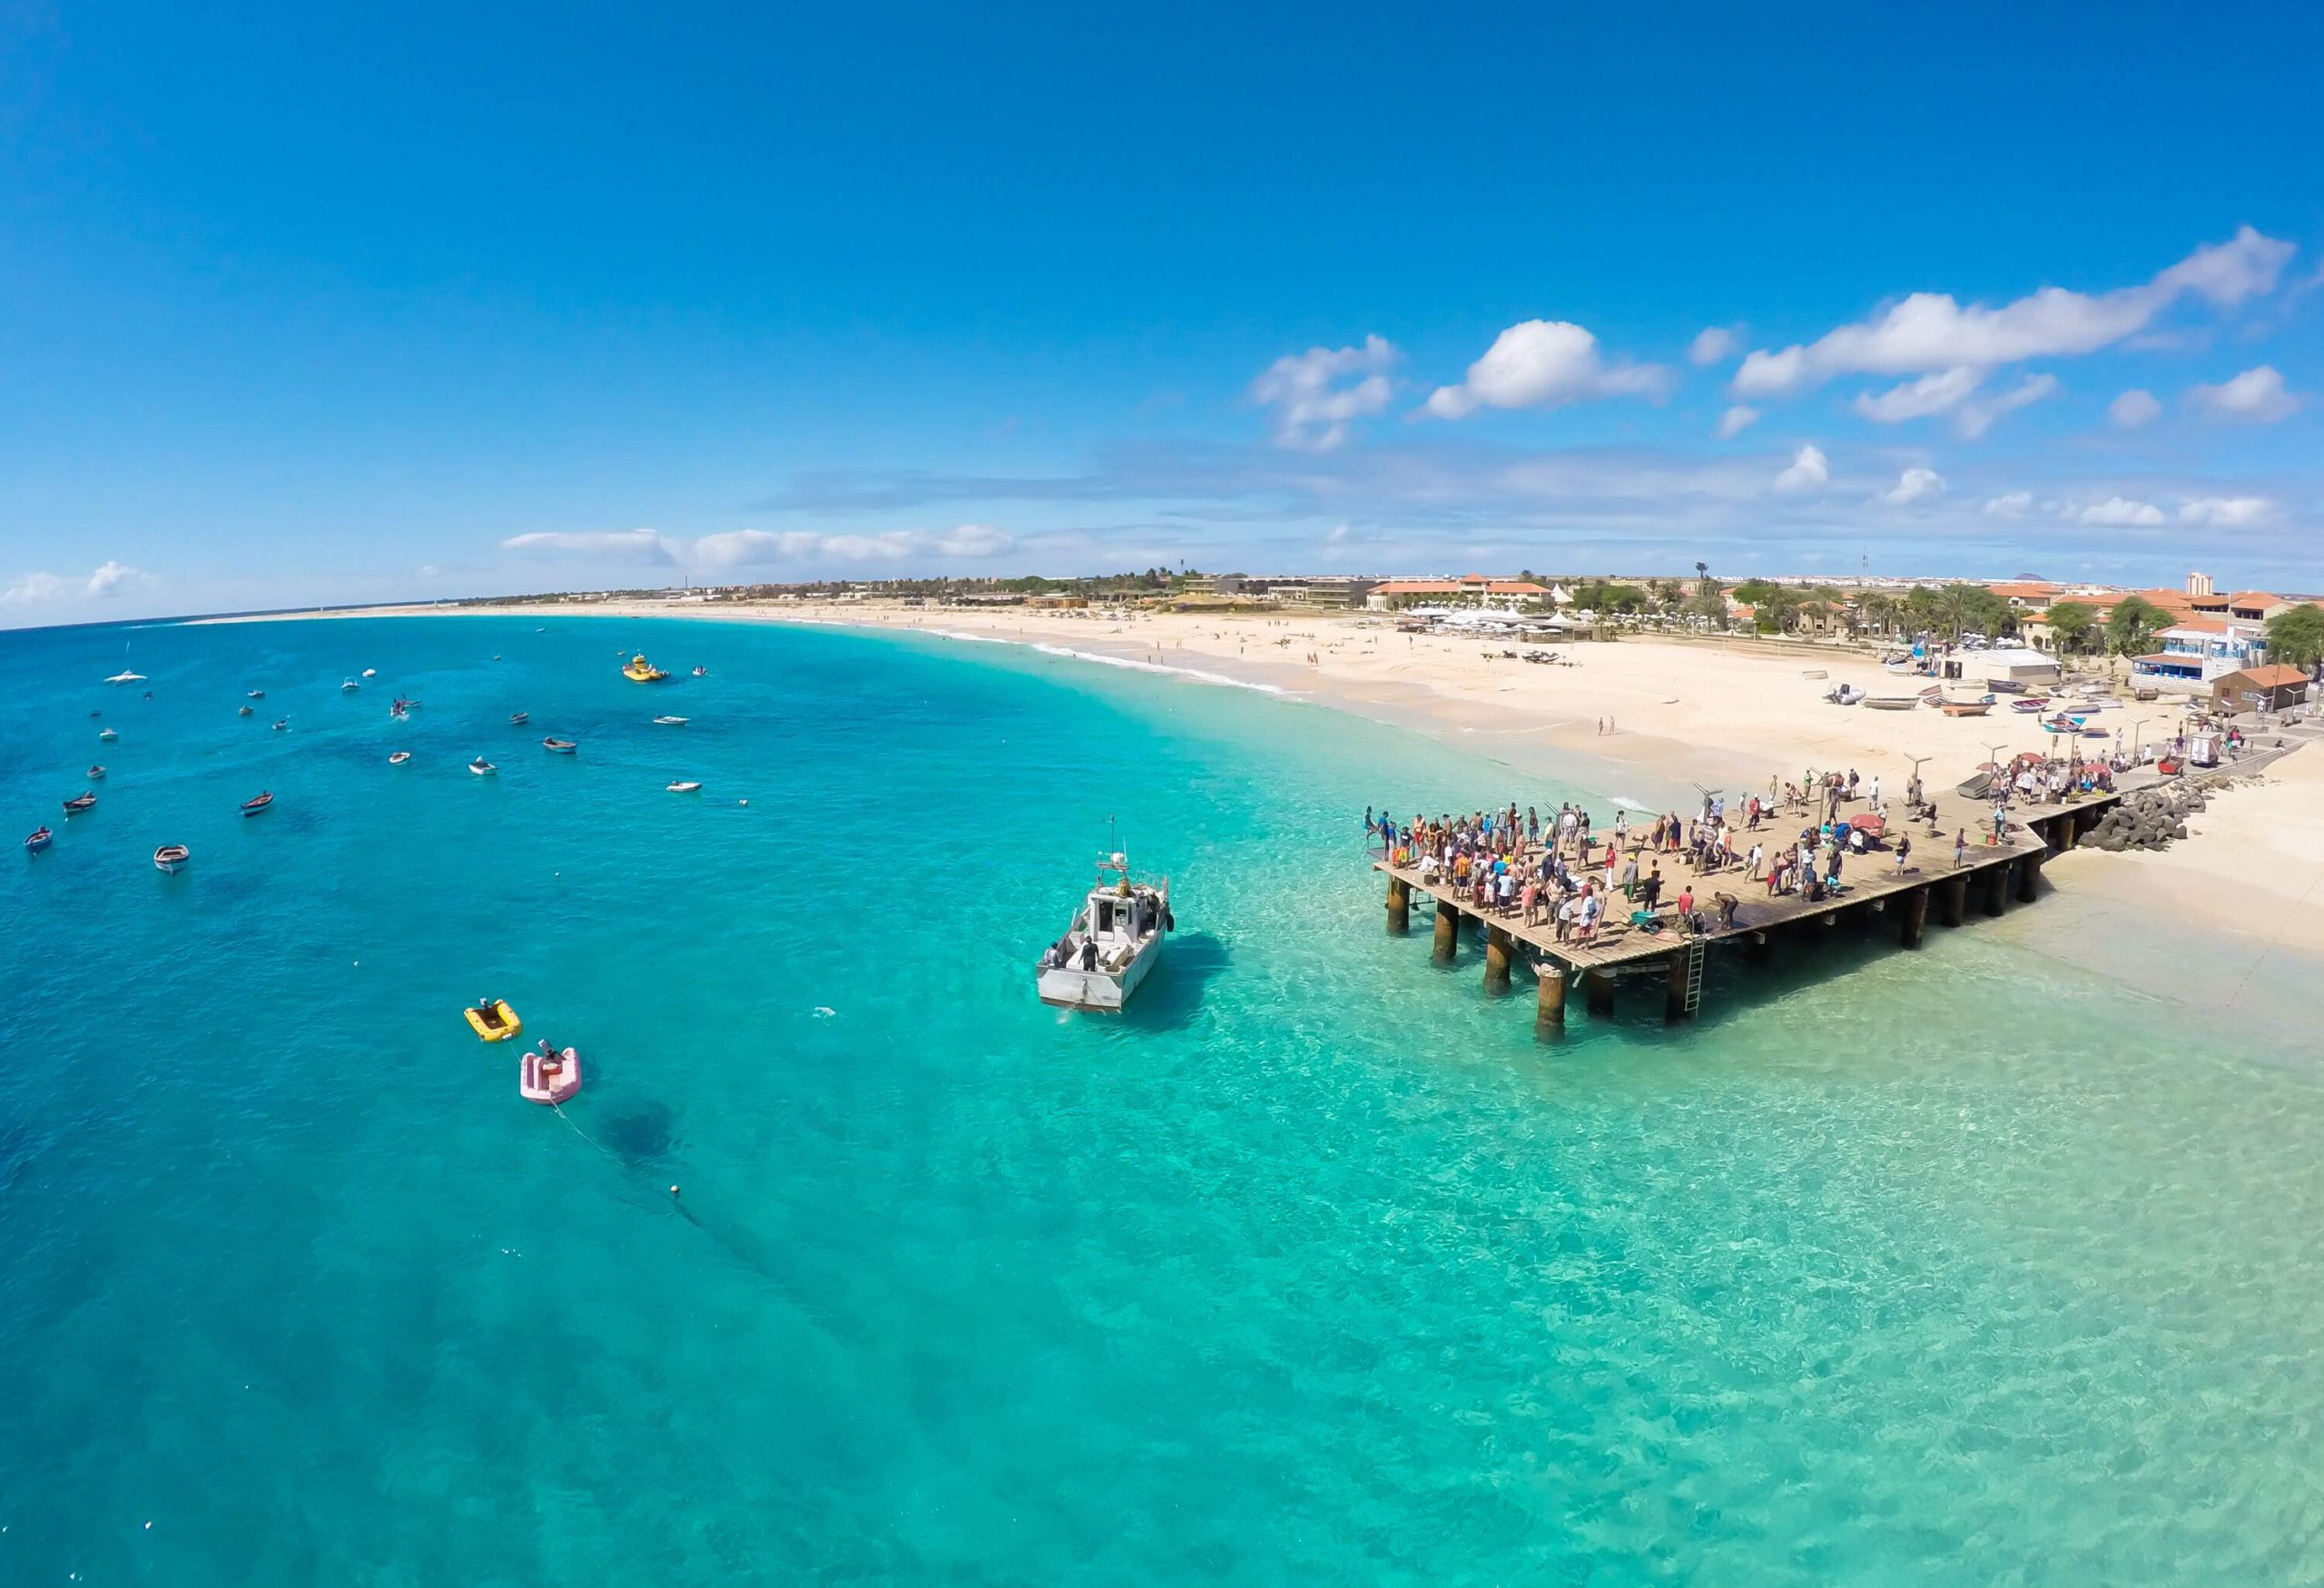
(1694, 976)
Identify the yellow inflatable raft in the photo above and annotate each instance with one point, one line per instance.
(501, 1023)
(638, 670)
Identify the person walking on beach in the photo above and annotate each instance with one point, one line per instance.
(1629, 877)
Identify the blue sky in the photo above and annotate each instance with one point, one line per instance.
(298, 307)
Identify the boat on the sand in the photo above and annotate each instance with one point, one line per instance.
(1891, 702)
(1965, 707)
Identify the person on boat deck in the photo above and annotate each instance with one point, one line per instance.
(1088, 954)
(491, 1015)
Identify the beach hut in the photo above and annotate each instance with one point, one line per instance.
(2274, 688)
(2013, 665)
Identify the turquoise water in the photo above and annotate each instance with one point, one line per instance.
(1314, 1268)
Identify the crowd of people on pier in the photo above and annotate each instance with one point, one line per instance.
(1566, 872)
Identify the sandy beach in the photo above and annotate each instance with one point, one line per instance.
(1672, 714)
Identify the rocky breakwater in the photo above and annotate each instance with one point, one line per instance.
(2153, 818)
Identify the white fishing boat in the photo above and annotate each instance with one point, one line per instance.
(126, 677)
(349, 687)
(370, 672)
(482, 767)
(398, 758)
(685, 786)
(1114, 939)
(669, 722)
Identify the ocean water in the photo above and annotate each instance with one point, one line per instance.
(1316, 1267)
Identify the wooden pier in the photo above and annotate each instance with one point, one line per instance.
(1990, 877)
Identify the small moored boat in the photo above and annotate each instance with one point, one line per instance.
(482, 767)
(126, 677)
(686, 787)
(107, 735)
(96, 774)
(370, 672)
(493, 1019)
(80, 803)
(549, 1078)
(255, 694)
(41, 838)
(702, 672)
(1114, 941)
(282, 725)
(398, 758)
(349, 687)
(242, 711)
(517, 719)
(669, 722)
(171, 856)
(251, 807)
(560, 746)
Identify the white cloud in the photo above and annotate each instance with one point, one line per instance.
(1911, 486)
(1977, 415)
(1918, 399)
(1544, 363)
(1713, 345)
(112, 578)
(30, 590)
(644, 545)
(740, 548)
(1736, 420)
(1317, 402)
(2225, 512)
(2117, 513)
(1810, 470)
(1930, 331)
(2134, 407)
(2257, 395)
(2009, 504)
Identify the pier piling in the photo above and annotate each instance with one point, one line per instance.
(1915, 914)
(1448, 932)
(1497, 953)
(1400, 905)
(2029, 877)
(1598, 991)
(1993, 884)
(1953, 899)
(1674, 992)
(1548, 1006)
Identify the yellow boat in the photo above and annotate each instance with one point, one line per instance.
(641, 671)
(498, 1025)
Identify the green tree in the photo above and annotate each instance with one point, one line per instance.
(2131, 626)
(1876, 612)
(2296, 638)
(2072, 623)
(1709, 605)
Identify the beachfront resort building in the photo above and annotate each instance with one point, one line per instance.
(1470, 589)
(2197, 651)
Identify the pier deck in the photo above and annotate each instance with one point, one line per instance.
(1989, 877)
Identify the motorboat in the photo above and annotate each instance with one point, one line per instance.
(1846, 695)
(702, 672)
(1891, 702)
(242, 711)
(482, 767)
(255, 694)
(84, 801)
(40, 839)
(171, 856)
(126, 677)
(517, 719)
(398, 758)
(107, 735)
(684, 786)
(638, 670)
(349, 687)
(251, 807)
(549, 1078)
(493, 1019)
(282, 725)
(370, 672)
(1114, 941)
(399, 706)
(96, 774)
(669, 722)
(560, 746)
